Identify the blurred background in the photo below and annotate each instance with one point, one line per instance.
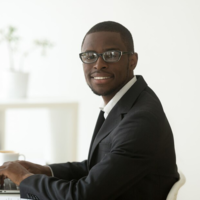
(166, 36)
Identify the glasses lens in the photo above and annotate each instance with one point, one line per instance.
(89, 57)
(111, 56)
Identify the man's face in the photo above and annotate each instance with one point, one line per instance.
(104, 78)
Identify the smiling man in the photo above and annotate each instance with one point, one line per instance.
(132, 154)
(108, 65)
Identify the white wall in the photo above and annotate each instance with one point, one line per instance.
(166, 35)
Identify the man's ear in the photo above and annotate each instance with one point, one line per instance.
(133, 61)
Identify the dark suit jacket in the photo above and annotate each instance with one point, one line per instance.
(131, 158)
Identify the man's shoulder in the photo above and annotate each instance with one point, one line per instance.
(140, 96)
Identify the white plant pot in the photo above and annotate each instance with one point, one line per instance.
(13, 84)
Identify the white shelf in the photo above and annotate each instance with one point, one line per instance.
(35, 102)
(58, 143)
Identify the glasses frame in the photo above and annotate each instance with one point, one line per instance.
(102, 55)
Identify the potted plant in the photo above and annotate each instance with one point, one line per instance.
(14, 79)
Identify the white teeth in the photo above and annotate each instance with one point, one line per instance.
(101, 77)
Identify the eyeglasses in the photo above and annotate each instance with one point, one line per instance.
(108, 56)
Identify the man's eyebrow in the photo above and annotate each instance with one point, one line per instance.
(106, 49)
(113, 48)
(89, 51)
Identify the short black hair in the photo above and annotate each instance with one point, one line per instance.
(111, 26)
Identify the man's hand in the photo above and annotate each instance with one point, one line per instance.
(35, 168)
(15, 171)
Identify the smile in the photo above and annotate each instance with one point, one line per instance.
(100, 78)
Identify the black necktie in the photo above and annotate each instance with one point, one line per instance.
(99, 123)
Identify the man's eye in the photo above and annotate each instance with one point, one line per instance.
(109, 54)
(90, 56)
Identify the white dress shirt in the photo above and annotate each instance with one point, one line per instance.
(109, 106)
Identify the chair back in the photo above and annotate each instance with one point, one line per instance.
(175, 188)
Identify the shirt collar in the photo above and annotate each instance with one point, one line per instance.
(109, 106)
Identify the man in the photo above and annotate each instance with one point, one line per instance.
(131, 154)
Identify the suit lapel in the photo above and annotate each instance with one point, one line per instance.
(117, 113)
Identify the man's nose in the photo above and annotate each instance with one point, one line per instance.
(100, 64)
